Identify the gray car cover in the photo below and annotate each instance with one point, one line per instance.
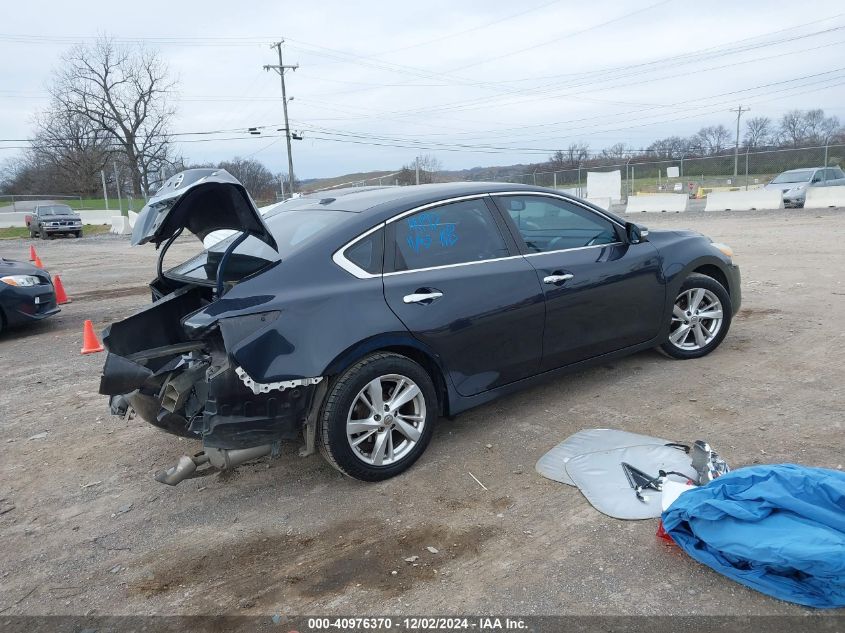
(552, 465)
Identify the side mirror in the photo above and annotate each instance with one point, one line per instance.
(636, 233)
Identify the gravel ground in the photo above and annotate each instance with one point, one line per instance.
(86, 529)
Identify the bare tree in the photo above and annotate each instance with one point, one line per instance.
(75, 146)
(617, 151)
(670, 147)
(253, 175)
(820, 129)
(429, 166)
(793, 128)
(122, 90)
(570, 157)
(714, 138)
(759, 132)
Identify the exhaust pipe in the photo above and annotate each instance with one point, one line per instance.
(218, 458)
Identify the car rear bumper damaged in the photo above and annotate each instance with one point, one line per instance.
(192, 388)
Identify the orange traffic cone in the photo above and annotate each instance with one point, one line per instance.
(90, 344)
(61, 295)
(32, 254)
(38, 263)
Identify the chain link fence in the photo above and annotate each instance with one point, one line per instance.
(694, 175)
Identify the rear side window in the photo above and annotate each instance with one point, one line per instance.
(454, 233)
(367, 254)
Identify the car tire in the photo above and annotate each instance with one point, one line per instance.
(43, 234)
(78, 234)
(700, 320)
(362, 433)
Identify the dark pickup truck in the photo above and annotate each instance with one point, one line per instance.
(50, 220)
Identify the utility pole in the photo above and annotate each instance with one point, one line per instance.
(739, 112)
(281, 68)
(417, 162)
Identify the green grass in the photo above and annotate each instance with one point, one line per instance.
(100, 203)
(94, 204)
(16, 232)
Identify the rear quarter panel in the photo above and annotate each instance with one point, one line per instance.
(325, 316)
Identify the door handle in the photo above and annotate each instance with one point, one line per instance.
(556, 279)
(422, 297)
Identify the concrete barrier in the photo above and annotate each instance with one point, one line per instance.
(602, 203)
(98, 216)
(132, 218)
(820, 197)
(657, 202)
(12, 218)
(743, 200)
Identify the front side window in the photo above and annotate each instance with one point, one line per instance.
(454, 233)
(551, 224)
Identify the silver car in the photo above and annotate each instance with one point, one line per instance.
(793, 183)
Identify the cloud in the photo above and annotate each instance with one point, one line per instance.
(476, 83)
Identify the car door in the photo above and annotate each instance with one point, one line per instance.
(602, 293)
(454, 278)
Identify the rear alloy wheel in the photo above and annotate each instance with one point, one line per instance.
(378, 417)
(701, 317)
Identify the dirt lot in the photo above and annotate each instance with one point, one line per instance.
(86, 529)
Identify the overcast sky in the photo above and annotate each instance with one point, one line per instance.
(490, 82)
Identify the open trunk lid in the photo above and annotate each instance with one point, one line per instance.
(201, 201)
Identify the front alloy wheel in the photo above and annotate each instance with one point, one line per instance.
(700, 320)
(378, 417)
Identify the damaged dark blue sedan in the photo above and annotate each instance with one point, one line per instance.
(356, 318)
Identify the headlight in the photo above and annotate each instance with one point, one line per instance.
(727, 250)
(21, 280)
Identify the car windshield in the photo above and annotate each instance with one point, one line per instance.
(293, 231)
(55, 209)
(802, 175)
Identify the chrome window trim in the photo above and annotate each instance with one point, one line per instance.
(559, 197)
(569, 250)
(430, 268)
(473, 196)
(340, 259)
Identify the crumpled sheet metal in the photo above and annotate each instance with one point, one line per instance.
(552, 465)
(602, 480)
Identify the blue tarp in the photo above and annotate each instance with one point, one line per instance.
(777, 529)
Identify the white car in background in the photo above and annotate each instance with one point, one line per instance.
(794, 183)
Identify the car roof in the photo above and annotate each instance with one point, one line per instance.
(362, 199)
